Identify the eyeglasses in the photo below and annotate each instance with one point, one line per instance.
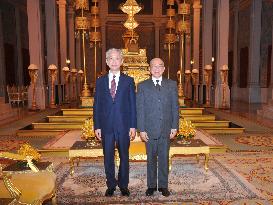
(157, 66)
(114, 59)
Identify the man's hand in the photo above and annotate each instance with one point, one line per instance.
(98, 134)
(173, 133)
(132, 133)
(144, 137)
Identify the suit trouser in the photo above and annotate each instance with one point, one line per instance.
(122, 142)
(158, 157)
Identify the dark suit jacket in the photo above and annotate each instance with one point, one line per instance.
(115, 115)
(157, 112)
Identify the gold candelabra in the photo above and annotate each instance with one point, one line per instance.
(66, 74)
(187, 82)
(224, 82)
(195, 80)
(52, 69)
(95, 34)
(80, 73)
(33, 73)
(208, 78)
(82, 26)
(74, 77)
(181, 28)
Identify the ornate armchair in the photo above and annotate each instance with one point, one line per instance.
(17, 94)
(27, 187)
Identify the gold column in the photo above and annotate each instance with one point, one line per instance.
(52, 69)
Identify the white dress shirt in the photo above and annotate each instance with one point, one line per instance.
(110, 76)
(155, 79)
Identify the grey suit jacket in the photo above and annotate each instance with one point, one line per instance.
(157, 111)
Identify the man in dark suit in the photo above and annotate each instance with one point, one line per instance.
(157, 121)
(115, 120)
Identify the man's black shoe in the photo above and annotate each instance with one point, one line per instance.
(164, 191)
(110, 192)
(125, 191)
(150, 191)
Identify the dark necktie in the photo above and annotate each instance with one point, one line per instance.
(113, 87)
(157, 85)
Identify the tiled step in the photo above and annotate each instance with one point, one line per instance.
(66, 118)
(39, 133)
(199, 117)
(215, 124)
(224, 130)
(78, 112)
(57, 126)
(191, 111)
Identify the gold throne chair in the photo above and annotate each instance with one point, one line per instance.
(27, 187)
(135, 59)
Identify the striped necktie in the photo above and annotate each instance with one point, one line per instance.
(113, 87)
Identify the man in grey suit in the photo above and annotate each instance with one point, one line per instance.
(157, 121)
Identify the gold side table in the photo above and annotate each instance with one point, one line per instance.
(80, 150)
(196, 147)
